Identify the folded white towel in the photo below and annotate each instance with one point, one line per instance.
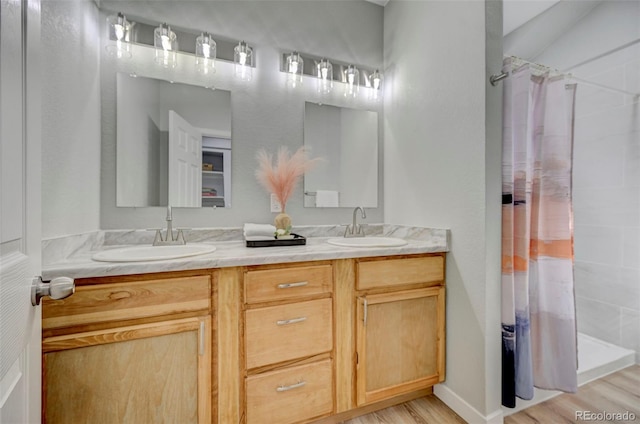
(327, 199)
(259, 238)
(259, 230)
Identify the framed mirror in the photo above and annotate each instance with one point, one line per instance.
(347, 139)
(173, 144)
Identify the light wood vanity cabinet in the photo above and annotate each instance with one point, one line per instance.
(320, 341)
(399, 326)
(288, 343)
(129, 351)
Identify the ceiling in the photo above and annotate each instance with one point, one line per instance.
(516, 13)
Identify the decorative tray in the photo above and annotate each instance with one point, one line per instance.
(297, 240)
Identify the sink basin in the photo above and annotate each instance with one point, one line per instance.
(367, 242)
(152, 253)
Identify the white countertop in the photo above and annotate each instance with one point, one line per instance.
(230, 254)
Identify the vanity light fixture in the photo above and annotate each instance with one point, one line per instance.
(205, 53)
(352, 81)
(294, 67)
(166, 44)
(325, 76)
(243, 60)
(119, 36)
(375, 79)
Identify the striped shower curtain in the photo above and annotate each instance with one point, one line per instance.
(538, 305)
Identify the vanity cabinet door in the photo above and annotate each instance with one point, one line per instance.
(400, 343)
(148, 373)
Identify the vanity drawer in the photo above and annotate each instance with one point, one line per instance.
(290, 395)
(279, 333)
(128, 300)
(402, 271)
(287, 283)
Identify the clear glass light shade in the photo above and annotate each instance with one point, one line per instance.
(205, 54)
(375, 81)
(243, 60)
(294, 68)
(119, 33)
(166, 44)
(352, 81)
(325, 76)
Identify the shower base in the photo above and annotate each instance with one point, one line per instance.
(596, 359)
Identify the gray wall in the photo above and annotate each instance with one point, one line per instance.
(139, 131)
(441, 170)
(70, 118)
(264, 113)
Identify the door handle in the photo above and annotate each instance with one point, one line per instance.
(58, 288)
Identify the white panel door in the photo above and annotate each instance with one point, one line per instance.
(185, 163)
(20, 208)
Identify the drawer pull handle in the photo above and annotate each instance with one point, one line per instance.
(292, 285)
(291, 387)
(290, 321)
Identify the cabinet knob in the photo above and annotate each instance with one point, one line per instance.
(58, 288)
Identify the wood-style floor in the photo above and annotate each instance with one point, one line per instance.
(618, 392)
(425, 410)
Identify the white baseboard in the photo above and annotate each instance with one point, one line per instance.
(462, 408)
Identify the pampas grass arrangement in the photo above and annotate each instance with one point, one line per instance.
(282, 178)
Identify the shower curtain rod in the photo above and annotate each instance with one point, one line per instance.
(493, 79)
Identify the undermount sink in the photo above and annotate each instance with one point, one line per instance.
(367, 242)
(153, 253)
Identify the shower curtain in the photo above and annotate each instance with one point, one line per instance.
(538, 305)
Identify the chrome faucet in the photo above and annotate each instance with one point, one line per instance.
(355, 229)
(169, 238)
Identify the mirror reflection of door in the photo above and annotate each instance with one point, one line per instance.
(185, 163)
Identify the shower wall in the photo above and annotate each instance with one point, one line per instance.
(606, 177)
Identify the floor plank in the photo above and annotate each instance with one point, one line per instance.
(618, 392)
(425, 410)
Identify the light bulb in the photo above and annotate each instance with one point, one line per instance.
(166, 44)
(294, 67)
(353, 81)
(206, 50)
(243, 58)
(324, 72)
(119, 30)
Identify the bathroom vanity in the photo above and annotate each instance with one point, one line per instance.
(268, 337)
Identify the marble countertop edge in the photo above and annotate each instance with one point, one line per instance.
(235, 253)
